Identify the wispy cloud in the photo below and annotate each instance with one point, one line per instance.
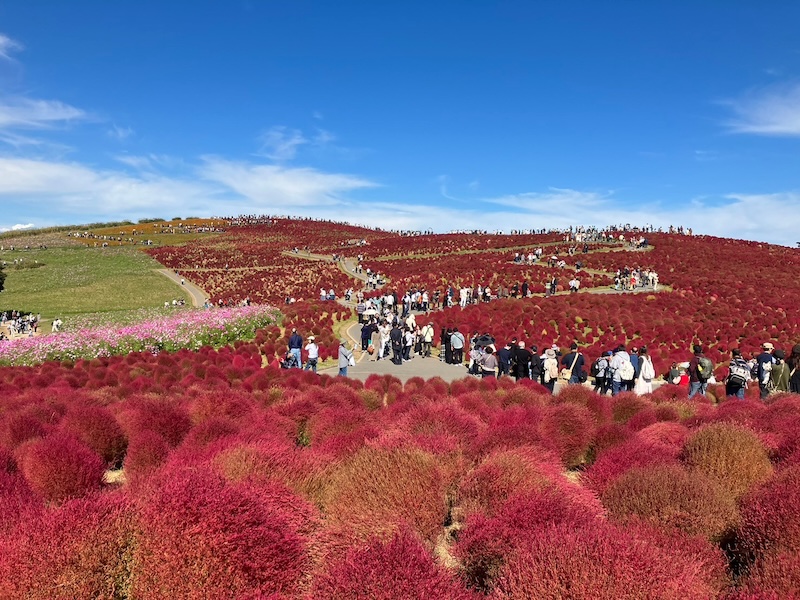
(30, 113)
(773, 110)
(274, 187)
(281, 143)
(7, 46)
(120, 133)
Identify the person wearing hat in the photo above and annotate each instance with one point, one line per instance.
(779, 376)
(312, 351)
(764, 363)
(345, 358)
(550, 369)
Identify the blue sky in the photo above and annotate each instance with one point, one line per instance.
(442, 115)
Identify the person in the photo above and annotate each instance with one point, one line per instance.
(550, 368)
(457, 342)
(522, 361)
(700, 371)
(366, 334)
(345, 358)
(779, 376)
(738, 375)
(573, 365)
(634, 355)
(408, 343)
(385, 331)
(644, 380)
(764, 362)
(488, 363)
(396, 337)
(674, 374)
(504, 360)
(427, 339)
(620, 367)
(794, 374)
(295, 344)
(537, 364)
(602, 381)
(313, 354)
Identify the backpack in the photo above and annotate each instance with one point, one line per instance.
(739, 375)
(626, 371)
(766, 372)
(550, 369)
(595, 370)
(648, 373)
(705, 368)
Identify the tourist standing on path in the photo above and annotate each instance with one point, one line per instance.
(550, 367)
(794, 375)
(488, 363)
(457, 342)
(313, 354)
(700, 370)
(738, 375)
(620, 365)
(573, 363)
(504, 360)
(427, 334)
(295, 344)
(764, 362)
(396, 337)
(646, 374)
(345, 358)
(779, 377)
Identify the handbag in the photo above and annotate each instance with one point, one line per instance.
(351, 361)
(566, 374)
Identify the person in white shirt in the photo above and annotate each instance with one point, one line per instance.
(313, 354)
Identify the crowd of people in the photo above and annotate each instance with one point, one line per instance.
(18, 324)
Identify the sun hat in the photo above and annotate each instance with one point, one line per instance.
(311, 338)
(550, 353)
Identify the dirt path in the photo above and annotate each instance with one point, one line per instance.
(197, 296)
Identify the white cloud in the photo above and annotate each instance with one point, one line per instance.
(280, 143)
(120, 133)
(773, 110)
(29, 113)
(274, 187)
(17, 227)
(7, 46)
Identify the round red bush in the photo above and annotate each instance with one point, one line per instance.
(770, 515)
(204, 538)
(60, 467)
(397, 569)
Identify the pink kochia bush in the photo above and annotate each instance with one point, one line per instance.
(397, 569)
(606, 563)
(202, 537)
(60, 467)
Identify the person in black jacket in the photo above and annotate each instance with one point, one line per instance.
(396, 337)
(295, 344)
(574, 360)
(522, 362)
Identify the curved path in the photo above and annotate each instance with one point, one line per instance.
(197, 295)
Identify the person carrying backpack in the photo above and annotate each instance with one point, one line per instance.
(550, 375)
(764, 364)
(738, 375)
(622, 371)
(701, 369)
(646, 374)
(600, 371)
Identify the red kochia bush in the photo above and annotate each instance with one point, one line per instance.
(204, 538)
(602, 563)
(568, 429)
(668, 496)
(776, 576)
(80, 550)
(59, 467)
(616, 460)
(146, 452)
(97, 428)
(485, 543)
(397, 569)
(770, 515)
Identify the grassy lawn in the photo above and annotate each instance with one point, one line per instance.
(75, 280)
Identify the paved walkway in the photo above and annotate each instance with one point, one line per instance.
(197, 296)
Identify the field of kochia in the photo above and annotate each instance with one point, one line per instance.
(213, 474)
